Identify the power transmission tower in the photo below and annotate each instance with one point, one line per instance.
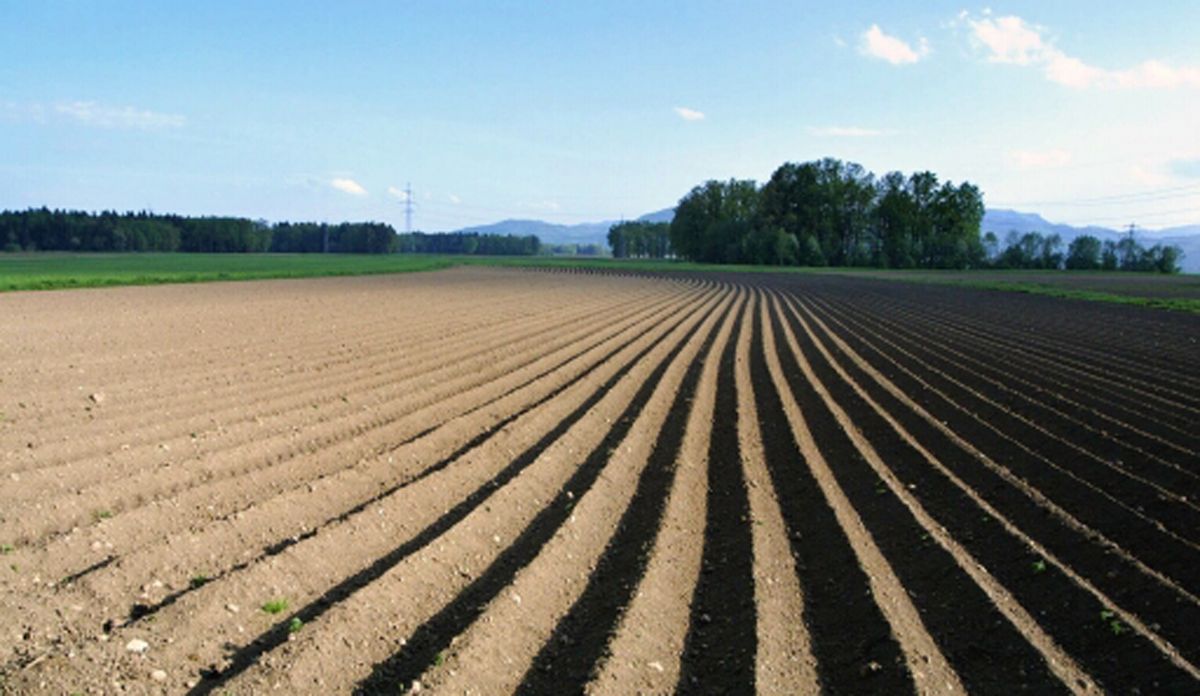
(408, 201)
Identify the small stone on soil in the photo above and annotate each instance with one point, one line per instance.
(137, 645)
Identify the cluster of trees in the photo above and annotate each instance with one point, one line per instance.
(1085, 252)
(572, 249)
(345, 238)
(62, 230)
(835, 213)
(640, 240)
(469, 243)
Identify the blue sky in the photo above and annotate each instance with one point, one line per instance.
(578, 111)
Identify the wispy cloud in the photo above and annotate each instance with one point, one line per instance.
(1014, 41)
(877, 44)
(689, 114)
(103, 116)
(1039, 159)
(847, 132)
(397, 193)
(90, 113)
(454, 199)
(349, 186)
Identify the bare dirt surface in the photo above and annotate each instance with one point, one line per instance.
(503, 481)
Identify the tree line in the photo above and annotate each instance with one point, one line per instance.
(572, 249)
(640, 240)
(832, 213)
(468, 243)
(41, 229)
(1086, 253)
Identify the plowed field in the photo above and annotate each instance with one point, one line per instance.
(492, 481)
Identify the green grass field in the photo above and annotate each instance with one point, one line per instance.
(60, 270)
(52, 270)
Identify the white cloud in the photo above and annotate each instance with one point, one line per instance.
(839, 41)
(349, 186)
(1039, 159)
(1010, 40)
(875, 43)
(397, 193)
(1013, 40)
(1155, 73)
(689, 114)
(453, 199)
(93, 114)
(846, 132)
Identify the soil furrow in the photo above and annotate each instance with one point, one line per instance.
(1032, 416)
(376, 437)
(644, 652)
(852, 641)
(302, 372)
(1114, 580)
(1104, 366)
(983, 630)
(567, 660)
(785, 661)
(435, 635)
(1126, 438)
(984, 650)
(721, 643)
(1129, 357)
(481, 469)
(307, 505)
(931, 672)
(1077, 395)
(1118, 520)
(327, 400)
(495, 653)
(434, 583)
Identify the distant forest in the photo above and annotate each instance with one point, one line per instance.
(640, 240)
(468, 243)
(42, 229)
(1084, 253)
(834, 213)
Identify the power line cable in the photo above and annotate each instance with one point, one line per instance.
(1141, 196)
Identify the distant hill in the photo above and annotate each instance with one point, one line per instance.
(552, 233)
(998, 220)
(1002, 220)
(664, 215)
